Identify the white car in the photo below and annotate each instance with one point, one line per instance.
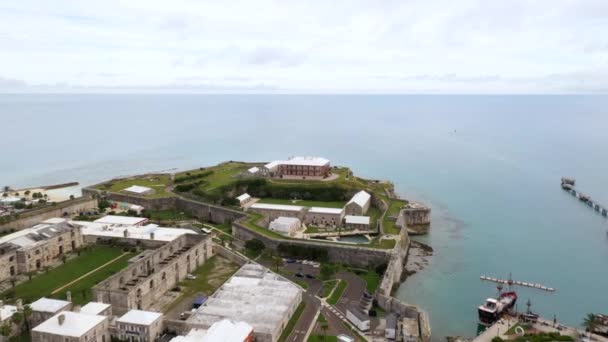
(190, 276)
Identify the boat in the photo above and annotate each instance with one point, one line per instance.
(492, 309)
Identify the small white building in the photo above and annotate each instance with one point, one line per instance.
(285, 225)
(357, 222)
(45, 308)
(359, 204)
(122, 220)
(358, 318)
(138, 209)
(73, 327)
(244, 199)
(97, 308)
(139, 325)
(253, 171)
(390, 330)
(139, 190)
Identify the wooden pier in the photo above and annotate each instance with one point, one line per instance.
(568, 185)
(511, 282)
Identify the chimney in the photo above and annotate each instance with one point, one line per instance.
(68, 296)
(152, 236)
(61, 319)
(19, 304)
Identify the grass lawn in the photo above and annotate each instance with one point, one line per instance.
(328, 285)
(209, 277)
(302, 283)
(45, 283)
(382, 244)
(156, 182)
(321, 338)
(395, 206)
(222, 175)
(167, 215)
(303, 203)
(373, 281)
(292, 322)
(335, 297)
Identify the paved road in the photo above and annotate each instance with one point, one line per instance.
(307, 319)
(353, 292)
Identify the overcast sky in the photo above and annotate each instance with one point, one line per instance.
(463, 46)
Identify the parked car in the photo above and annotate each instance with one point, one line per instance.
(190, 276)
(290, 261)
(299, 275)
(310, 276)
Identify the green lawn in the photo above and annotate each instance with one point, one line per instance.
(389, 226)
(292, 322)
(328, 285)
(304, 203)
(302, 283)
(45, 283)
(321, 338)
(382, 244)
(156, 182)
(223, 175)
(335, 297)
(167, 215)
(373, 281)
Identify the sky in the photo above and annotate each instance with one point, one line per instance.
(266, 46)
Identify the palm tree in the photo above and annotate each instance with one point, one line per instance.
(590, 322)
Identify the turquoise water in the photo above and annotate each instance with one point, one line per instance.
(488, 165)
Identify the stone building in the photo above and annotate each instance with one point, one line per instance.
(357, 222)
(138, 325)
(274, 211)
(298, 168)
(416, 213)
(358, 204)
(151, 274)
(324, 217)
(45, 308)
(34, 248)
(97, 308)
(69, 326)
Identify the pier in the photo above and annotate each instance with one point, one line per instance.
(568, 185)
(517, 282)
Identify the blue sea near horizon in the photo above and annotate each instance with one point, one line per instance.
(489, 166)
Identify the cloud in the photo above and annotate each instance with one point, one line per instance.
(8, 84)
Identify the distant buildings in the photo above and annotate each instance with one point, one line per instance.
(122, 220)
(263, 299)
(139, 190)
(244, 199)
(359, 204)
(299, 168)
(34, 248)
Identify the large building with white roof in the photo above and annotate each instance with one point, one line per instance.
(324, 217)
(34, 248)
(357, 222)
(285, 225)
(45, 308)
(97, 308)
(150, 234)
(68, 326)
(263, 299)
(122, 220)
(359, 204)
(274, 211)
(138, 325)
(222, 331)
(300, 168)
(139, 190)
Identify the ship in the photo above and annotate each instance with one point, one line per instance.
(493, 308)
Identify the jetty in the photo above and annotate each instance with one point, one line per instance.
(511, 282)
(568, 184)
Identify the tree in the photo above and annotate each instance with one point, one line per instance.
(5, 194)
(255, 245)
(30, 274)
(17, 318)
(327, 271)
(5, 330)
(27, 192)
(590, 322)
(27, 313)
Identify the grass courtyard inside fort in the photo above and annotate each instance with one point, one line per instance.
(77, 275)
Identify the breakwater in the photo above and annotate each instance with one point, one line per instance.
(568, 184)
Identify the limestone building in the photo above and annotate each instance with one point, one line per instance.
(138, 325)
(151, 274)
(359, 204)
(324, 217)
(68, 326)
(45, 308)
(274, 211)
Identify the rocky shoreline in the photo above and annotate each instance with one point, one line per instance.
(418, 259)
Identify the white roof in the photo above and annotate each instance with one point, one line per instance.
(141, 233)
(195, 335)
(54, 220)
(286, 220)
(269, 206)
(227, 330)
(138, 189)
(308, 161)
(49, 305)
(273, 164)
(140, 317)
(356, 219)
(7, 311)
(243, 197)
(321, 210)
(10, 199)
(123, 220)
(254, 169)
(361, 198)
(94, 308)
(76, 324)
(136, 207)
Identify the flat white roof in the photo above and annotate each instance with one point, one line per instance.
(243, 197)
(54, 220)
(124, 220)
(138, 189)
(7, 311)
(321, 210)
(94, 308)
(49, 305)
(254, 169)
(361, 198)
(76, 324)
(308, 161)
(140, 317)
(283, 207)
(286, 220)
(356, 219)
(227, 330)
(273, 164)
(141, 233)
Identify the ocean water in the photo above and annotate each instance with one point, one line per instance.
(488, 165)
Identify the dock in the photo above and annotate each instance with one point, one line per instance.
(517, 282)
(568, 184)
